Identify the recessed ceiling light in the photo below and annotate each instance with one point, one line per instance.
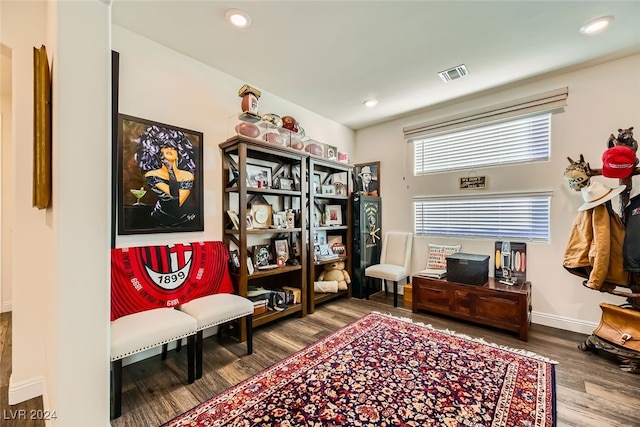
(370, 103)
(238, 18)
(597, 25)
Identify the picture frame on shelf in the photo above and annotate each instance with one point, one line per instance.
(339, 249)
(281, 249)
(261, 255)
(333, 214)
(249, 221)
(286, 184)
(235, 260)
(316, 183)
(143, 204)
(262, 215)
(367, 178)
(258, 176)
(250, 268)
(329, 190)
(235, 221)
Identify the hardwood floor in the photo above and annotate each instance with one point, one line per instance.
(591, 390)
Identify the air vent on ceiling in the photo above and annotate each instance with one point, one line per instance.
(453, 73)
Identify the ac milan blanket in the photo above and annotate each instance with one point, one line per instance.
(148, 277)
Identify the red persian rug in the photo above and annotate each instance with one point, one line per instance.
(385, 371)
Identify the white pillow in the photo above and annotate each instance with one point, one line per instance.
(437, 254)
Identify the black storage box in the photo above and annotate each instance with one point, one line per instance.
(470, 269)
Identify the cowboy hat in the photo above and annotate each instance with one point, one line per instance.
(597, 194)
(365, 169)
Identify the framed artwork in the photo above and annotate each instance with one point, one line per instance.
(235, 221)
(328, 190)
(235, 260)
(367, 177)
(316, 183)
(262, 215)
(258, 176)
(261, 256)
(333, 214)
(286, 184)
(250, 268)
(281, 249)
(159, 172)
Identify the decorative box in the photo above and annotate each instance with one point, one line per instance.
(470, 269)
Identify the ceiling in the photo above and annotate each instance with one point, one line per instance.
(329, 56)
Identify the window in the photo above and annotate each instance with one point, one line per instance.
(522, 216)
(514, 141)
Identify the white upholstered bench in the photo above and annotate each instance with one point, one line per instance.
(144, 330)
(216, 310)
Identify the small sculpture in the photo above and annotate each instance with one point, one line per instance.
(577, 173)
(625, 137)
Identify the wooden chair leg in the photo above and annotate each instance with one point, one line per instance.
(366, 287)
(199, 344)
(178, 345)
(164, 351)
(249, 322)
(116, 367)
(191, 344)
(395, 293)
(384, 285)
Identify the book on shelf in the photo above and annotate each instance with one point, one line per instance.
(433, 273)
(296, 293)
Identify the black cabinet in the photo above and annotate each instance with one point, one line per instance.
(367, 239)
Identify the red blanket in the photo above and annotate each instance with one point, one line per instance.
(148, 277)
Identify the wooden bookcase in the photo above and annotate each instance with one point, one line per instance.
(240, 192)
(323, 175)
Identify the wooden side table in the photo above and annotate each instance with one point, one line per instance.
(493, 304)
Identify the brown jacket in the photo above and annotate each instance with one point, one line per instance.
(594, 250)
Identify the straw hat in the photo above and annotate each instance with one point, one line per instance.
(597, 194)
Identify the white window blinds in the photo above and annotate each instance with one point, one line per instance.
(514, 141)
(522, 216)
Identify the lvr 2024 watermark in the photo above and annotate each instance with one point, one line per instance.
(24, 414)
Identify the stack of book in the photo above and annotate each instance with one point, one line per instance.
(296, 293)
(259, 307)
(433, 273)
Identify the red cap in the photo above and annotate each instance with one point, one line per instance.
(618, 162)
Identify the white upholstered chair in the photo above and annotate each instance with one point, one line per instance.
(395, 262)
(141, 331)
(216, 310)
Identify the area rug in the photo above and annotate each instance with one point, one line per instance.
(386, 371)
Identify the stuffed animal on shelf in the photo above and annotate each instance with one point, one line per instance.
(335, 271)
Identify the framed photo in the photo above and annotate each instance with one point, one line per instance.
(233, 216)
(316, 183)
(367, 177)
(281, 249)
(159, 172)
(329, 190)
(235, 260)
(250, 268)
(339, 249)
(261, 256)
(262, 215)
(258, 176)
(286, 184)
(333, 214)
(249, 221)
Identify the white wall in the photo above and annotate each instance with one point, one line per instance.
(60, 264)
(602, 98)
(162, 85)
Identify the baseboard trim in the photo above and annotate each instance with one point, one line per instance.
(24, 390)
(561, 322)
(6, 307)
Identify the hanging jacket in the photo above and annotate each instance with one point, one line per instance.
(594, 250)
